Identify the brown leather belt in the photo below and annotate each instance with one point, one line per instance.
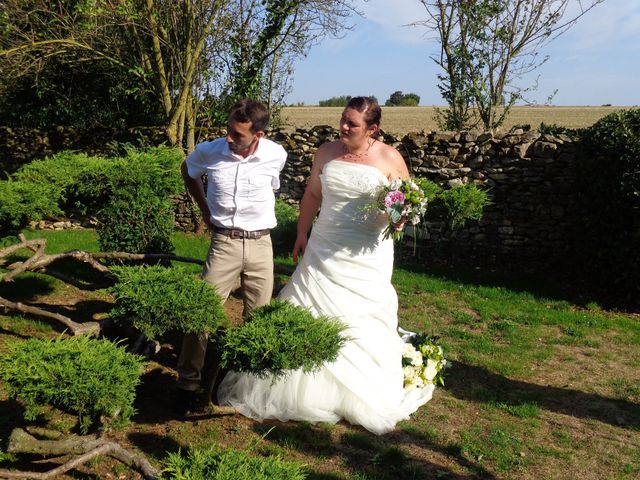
(237, 233)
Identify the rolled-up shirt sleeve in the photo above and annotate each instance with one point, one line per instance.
(196, 164)
(275, 180)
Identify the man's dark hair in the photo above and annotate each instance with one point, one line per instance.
(248, 110)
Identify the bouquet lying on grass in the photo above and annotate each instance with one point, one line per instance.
(423, 361)
(405, 201)
(280, 337)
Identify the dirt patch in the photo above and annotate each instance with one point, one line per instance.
(583, 426)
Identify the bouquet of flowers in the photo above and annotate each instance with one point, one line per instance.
(404, 201)
(422, 361)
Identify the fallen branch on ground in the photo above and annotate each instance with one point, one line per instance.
(84, 448)
(40, 262)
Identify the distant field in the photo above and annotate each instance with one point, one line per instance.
(401, 120)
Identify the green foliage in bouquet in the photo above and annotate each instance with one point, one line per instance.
(283, 235)
(463, 203)
(157, 299)
(136, 221)
(279, 337)
(94, 379)
(229, 464)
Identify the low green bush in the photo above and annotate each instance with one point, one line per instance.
(62, 170)
(22, 202)
(136, 221)
(85, 182)
(283, 236)
(91, 378)
(156, 169)
(555, 129)
(229, 464)
(279, 337)
(156, 300)
(463, 203)
(608, 174)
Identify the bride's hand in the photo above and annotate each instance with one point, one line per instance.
(400, 225)
(299, 247)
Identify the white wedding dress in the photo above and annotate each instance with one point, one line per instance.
(345, 273)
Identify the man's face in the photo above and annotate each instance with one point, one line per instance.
(242, 141)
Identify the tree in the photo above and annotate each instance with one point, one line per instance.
(88, 97)
(158, 41)
(180, 52)
(487, 45)
(268, 36)
(399, 99)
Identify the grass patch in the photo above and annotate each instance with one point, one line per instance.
(536, 383)
(496, 443)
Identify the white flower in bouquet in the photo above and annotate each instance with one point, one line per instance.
(423, 361)
(404, 201)
(413, 355)
(431, 370)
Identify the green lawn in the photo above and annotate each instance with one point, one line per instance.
(537, 387)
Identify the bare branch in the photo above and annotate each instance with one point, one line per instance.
(89, 328)
(84, 448)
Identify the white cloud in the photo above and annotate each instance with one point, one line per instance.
(394, 17)
(612, 24)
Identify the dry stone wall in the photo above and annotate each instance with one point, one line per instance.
(529, 176)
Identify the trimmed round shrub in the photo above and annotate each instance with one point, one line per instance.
(154, 169)
(156, 300)
(84, 183)
(280, 337)
(85, 376)
(136, 221)
(229, 464)
(22, 202)
(463, 203)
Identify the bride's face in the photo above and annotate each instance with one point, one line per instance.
(353, 128)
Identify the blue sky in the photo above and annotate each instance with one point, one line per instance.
(594, 63)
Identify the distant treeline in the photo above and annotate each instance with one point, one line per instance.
(341, 101)
(397, 99)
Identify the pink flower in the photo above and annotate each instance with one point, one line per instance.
(393, 197)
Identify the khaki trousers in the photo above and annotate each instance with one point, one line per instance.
(228, 259)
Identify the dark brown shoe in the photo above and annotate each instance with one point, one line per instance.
(185, 402)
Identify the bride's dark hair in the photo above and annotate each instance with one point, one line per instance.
(367, 106)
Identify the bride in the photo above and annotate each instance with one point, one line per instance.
(345, 272)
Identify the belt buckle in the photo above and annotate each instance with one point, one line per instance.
(236, 234)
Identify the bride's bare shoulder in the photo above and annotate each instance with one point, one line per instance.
(328, 151)
(394, 161)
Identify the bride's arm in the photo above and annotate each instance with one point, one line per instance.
(310, 203)
(397, 165)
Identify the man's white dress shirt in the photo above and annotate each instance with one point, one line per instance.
(239, 190)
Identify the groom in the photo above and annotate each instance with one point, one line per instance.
(238, 207)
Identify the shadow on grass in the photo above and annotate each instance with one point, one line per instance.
(552, 287)
(26, 287)
(365, 454)
(11, 416)
(152, 443)
(154, 397)
(477, 384)
(14, 334)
